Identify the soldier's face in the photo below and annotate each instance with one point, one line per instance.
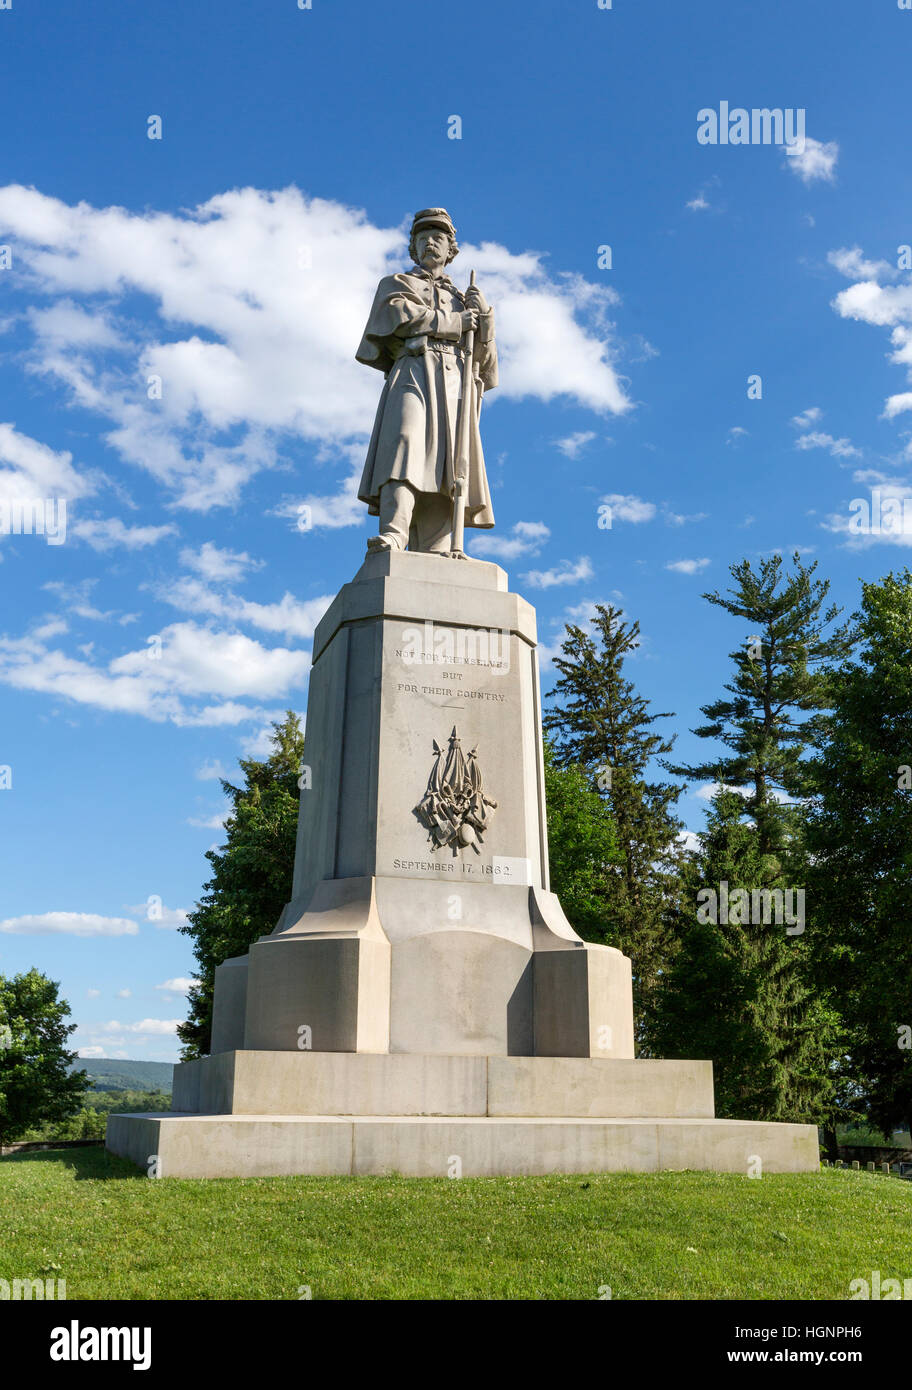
(432, 247)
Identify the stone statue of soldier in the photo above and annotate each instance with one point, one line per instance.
(416, 335)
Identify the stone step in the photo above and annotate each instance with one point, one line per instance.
(374, 1084)
(196, 1146)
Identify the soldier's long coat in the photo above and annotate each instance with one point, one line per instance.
(414, 433)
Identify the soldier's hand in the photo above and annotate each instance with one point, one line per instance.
(474, 299)
(470, 320)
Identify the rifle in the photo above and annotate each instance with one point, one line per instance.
(464, 421)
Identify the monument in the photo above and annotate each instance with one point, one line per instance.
(423, 1006)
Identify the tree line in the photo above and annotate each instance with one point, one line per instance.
(779, 944)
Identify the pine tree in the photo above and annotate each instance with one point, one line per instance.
(777, 1037)
(738, 991)
(780, 690)
(252, 873)
(600, 723)
(860, 836)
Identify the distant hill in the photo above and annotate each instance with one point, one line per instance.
(106, 1074)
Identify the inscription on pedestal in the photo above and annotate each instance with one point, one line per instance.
(514, 872)
(439, 796)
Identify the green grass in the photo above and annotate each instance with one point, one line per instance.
(112, 1233)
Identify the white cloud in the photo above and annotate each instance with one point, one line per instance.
(154, 910)
(812, 159)
(260, 744)
(566, 573)
(210, 771)
(626, 507)
(547, 651)
(336, 510)
(259, 300)
(291, 616)
(525, 538)
(735, 433)
(192, 662)
(839, 448)
(52, 628)
(156, 1027)
(896, 405)
(572, 446)
(709, 789)
(883, 306)
(197, 661)
(217, 565)
(875, 476)
(700, 202)
(124, 993)
(687, 566)
(66, 324)
(807, 417)
(31, 469)
(92, 993)
(107, 532)
(580, 614)
(179, 985)
(75, 595)
(68, 924)
(851, 263)
(890, 530)
(553, 334)
(87, 1054)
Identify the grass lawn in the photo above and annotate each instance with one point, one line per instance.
(110, 1232)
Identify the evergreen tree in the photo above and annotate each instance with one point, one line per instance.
(600, 723)
(860, 836)
(780, 690)
(739, 990)
(252, 873)
(775, 1038)
(36, 1084)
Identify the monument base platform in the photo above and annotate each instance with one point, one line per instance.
(422, 1146)
(261, 1114)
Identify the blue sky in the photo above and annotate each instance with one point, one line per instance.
(235, 260)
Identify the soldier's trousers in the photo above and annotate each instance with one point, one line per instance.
(419, 520)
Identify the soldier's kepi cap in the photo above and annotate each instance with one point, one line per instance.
(432, 217)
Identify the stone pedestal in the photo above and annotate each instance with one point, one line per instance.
(423, 998)
(394, 941)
